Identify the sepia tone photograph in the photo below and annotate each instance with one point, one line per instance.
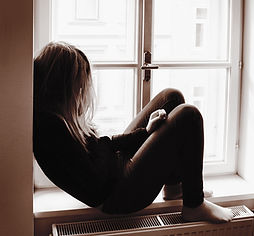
(127, 117)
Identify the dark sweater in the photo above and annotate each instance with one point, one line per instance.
(89, 176)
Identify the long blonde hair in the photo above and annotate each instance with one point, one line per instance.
(63, 86)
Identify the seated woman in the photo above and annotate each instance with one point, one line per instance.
(125, 173)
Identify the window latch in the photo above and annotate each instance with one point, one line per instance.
(147, 66)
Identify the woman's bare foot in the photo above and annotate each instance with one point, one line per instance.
(207, 211)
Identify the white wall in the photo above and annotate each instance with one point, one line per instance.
(16, 43)
(246, 165)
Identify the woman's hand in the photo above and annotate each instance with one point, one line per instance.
(155, 120)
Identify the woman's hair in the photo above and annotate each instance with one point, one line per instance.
(63, 86)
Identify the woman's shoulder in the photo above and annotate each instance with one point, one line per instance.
(53, 128)
(46, 116)
(49, 127)
(48, 120)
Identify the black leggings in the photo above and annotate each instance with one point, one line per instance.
(171, 154)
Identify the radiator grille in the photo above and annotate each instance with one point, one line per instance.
(240, 211)
(132, 223)
(171, 219)
(108, 225)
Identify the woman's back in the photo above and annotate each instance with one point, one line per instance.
(87, 175)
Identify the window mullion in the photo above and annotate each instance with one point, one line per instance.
(148, 31)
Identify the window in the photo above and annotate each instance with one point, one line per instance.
(86, 10)
(195, 43)
(109, 39)
(197, 46)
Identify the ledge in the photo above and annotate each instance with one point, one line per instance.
(228, 190)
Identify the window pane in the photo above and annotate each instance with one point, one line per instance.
(87, 9)
(190, 30)
(105, 30)
(115, 100)
(206, 89)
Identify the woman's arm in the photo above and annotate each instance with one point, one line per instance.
(132, 141)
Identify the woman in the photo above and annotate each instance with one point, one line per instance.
(162, 145)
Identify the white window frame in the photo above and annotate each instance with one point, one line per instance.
(233, 64)
(42, 29)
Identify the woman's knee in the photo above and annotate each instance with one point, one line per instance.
(172, 94)
(190, 112)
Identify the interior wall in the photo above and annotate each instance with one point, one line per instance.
(246, 152)
(16, 53)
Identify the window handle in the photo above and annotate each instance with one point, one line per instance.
(147, 66)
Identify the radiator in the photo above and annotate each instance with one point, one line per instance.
(170, 224)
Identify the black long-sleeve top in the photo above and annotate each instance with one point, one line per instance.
(90, 175)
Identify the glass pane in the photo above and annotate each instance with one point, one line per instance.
(190, 30)
(104, 30)
(115, 100)
(206, 89)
